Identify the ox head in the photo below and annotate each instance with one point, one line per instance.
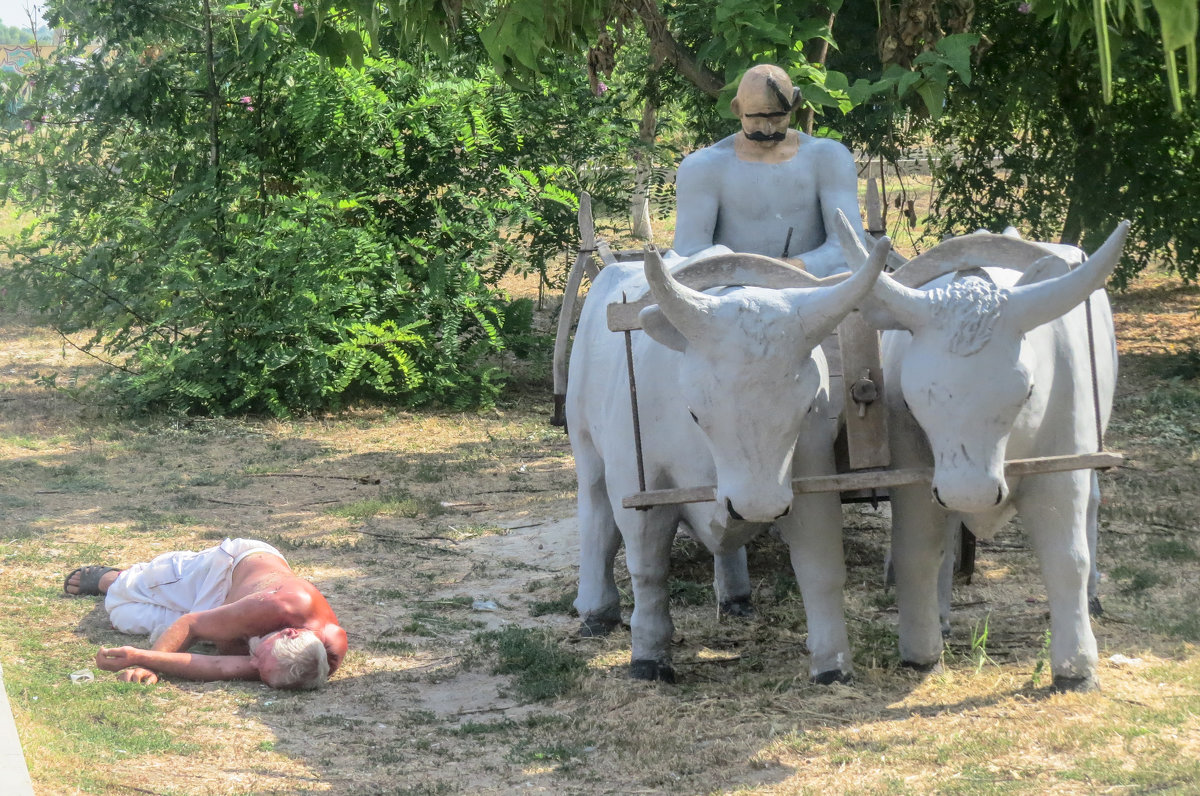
(967, 374)
(747, 376)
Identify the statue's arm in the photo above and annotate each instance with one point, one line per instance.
(837, 189)
(696, 191)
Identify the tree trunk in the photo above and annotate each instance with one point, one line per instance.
(639, 203)
(214, 130)
(821, 54)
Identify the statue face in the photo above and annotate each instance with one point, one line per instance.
(762, 119)
(764, 102)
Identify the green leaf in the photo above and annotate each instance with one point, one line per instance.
(934, 96)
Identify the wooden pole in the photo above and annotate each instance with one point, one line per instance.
(850, 482)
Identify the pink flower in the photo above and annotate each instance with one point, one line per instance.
(601, 87)
(246, 101)
(28, 126)
(1024, 8)
(299, 9)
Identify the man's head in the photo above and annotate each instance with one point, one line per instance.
(764, 102)
(290, 658)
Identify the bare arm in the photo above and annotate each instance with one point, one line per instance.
(837, 189)
(181, 664)
(253, 615)
(696, 204)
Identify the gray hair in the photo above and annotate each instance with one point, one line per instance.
(303, 662)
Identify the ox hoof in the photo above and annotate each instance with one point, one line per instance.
(832, 676)
(1078, 685)
(599, 624)
(924, 668)
(738, 606)
(1094, 607)
(652, 670)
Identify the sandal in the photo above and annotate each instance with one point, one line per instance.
(89, 580)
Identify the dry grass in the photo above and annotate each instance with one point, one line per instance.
(408, 520)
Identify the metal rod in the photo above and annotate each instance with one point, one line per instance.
(1095, 382)
(637, 423)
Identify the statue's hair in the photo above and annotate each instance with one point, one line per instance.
(303, 662)
(971, 307)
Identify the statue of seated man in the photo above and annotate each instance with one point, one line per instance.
(769, 189)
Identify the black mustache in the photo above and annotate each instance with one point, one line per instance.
(757, 136)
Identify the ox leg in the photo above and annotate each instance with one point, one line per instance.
(1054, 507)
(813, 532)
(918, 542)
(598, 601)
(1093, 539)
(732, 583)
(648, 556)
(946, 573)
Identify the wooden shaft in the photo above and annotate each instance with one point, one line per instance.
(874, 479)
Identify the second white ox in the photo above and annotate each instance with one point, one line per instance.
(997, 367)
(733, 390)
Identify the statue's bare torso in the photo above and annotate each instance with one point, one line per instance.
(751, 206)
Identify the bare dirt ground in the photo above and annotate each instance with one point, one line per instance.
(427, 529)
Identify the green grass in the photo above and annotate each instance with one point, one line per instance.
(563, 604)
(541, 669)
(398, 503)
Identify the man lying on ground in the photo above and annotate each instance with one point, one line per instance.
(267, 624)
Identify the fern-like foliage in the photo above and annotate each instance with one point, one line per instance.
(261, 231)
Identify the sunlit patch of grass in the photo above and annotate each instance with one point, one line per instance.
(398, 503)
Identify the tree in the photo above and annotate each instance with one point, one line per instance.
(1109, 21)
(244, 227)
(15, 34)
(1031, 143)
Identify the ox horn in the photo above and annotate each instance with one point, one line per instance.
(903, 306)
(832, 304)
(853, 250)
(1041, 302)
(685, 308)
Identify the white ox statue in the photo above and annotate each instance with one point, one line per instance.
(997, 367)
(732, 390)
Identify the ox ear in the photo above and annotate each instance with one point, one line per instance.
(660, 328)
(1033, 305)
(1048, 267)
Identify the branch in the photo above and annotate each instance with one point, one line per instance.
(671, 51)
